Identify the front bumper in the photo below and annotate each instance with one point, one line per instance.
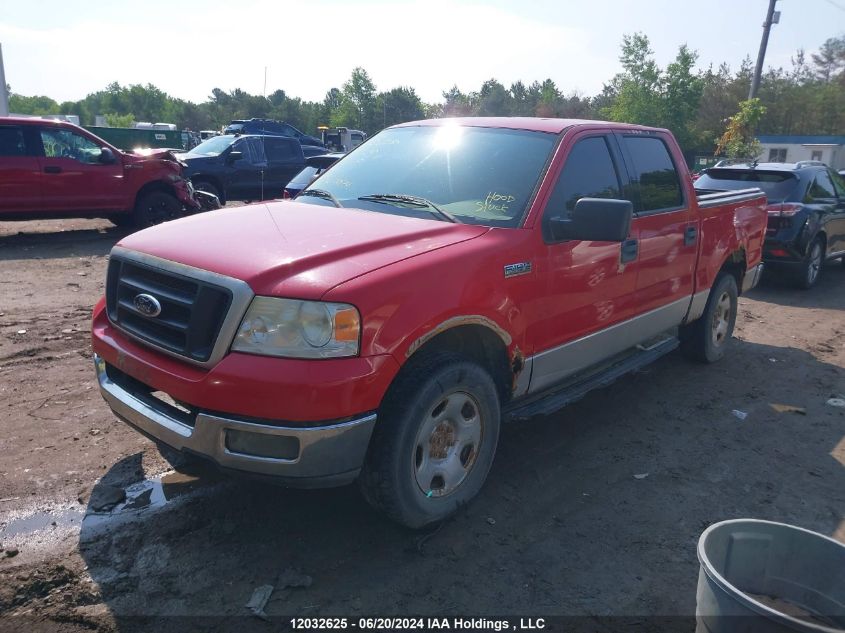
(315, 456)
(185, 193)
(752, 278)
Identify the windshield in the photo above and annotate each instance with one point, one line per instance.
(480, 175)
(777, 185)
(213, 146)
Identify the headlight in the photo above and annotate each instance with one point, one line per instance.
(299, 329)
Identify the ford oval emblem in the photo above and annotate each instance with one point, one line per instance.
(147, 305)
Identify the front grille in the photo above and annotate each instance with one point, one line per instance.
(192, 310)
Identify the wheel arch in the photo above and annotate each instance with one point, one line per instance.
(735, 264)
(478, 339)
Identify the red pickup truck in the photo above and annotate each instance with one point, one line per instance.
(445, 276)
(54, 169)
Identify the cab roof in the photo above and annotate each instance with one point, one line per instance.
(33, 120)
(534, 124)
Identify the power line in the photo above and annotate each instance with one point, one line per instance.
(834, 4)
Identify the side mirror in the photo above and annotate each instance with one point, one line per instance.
(234, 155)
(107, 156)
(595, 220)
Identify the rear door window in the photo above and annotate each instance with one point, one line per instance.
(822, 187)
(655, 184)
(279, 150)
(12, 141)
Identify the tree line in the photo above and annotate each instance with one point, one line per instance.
(806, 98)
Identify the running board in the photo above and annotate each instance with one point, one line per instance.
(576, 388)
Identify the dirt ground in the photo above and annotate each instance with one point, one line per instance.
(593, 511)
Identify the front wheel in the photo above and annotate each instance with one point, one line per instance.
(707, 338)
(156, 207)
(434, 441)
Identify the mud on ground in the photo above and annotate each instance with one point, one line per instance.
(593, 511)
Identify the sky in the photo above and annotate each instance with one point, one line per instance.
(69, 48)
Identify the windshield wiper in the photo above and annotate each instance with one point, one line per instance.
(414, 201)
(320, 193)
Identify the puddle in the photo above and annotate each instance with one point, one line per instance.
(143, 500)
(41, 521)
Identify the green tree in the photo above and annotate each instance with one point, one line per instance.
(493, 99)
(636, 91)
(358, 105)
(739, 140)
(18, 104)
(119, 120)
(830, 59)
(399, 105)
(681, 91)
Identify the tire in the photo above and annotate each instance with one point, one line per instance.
(157, 207)
(434, 441)
(204, 185)
(811, 268)
(706, 339)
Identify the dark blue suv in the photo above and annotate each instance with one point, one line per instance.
(270, 127)
(806, 212)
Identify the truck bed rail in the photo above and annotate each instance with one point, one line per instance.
(708, 198)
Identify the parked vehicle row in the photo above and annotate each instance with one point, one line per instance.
(52, 168)
(444, 277)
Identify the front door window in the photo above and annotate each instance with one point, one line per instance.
(66, 144)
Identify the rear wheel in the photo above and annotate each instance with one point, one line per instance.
(811, 267)
(156, 207)
(707, 338)
(434, 441)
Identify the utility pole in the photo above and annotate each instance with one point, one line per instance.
(4, 94)
(772, 17)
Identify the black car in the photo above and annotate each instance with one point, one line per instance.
(244, 167)
(269, 127)
(314, 166)
(806, 212)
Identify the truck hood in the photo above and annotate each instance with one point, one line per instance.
(293, 249)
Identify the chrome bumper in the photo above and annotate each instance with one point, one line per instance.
(324, 455)
(752, 278)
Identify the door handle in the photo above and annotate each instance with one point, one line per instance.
(690, 235)
(52, 169)
(630, 249)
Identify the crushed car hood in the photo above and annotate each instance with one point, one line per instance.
(294, 249)
(154, 154)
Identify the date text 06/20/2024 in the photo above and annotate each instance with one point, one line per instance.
(418, 624)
